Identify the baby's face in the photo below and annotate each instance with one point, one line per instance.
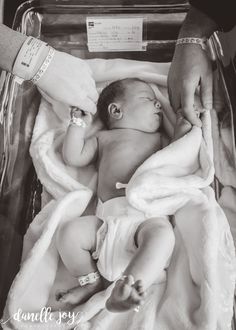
(141, 110)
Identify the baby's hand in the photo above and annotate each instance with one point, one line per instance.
(182, 126)
(86, 116)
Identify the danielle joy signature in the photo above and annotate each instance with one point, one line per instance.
(47, 316)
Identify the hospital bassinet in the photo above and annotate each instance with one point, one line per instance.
(64, 24)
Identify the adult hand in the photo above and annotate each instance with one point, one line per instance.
(68, 79)
(190, 68)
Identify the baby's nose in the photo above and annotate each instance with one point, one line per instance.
(157, 104)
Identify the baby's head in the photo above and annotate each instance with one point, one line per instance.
(130, 103)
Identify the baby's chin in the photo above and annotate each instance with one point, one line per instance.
(150, 130)
(153, 129)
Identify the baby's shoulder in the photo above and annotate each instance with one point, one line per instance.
(153, 136)
(104, 136)
(151, 140)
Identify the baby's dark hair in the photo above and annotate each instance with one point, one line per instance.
(110, 94)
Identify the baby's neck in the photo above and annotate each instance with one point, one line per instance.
(130, 129)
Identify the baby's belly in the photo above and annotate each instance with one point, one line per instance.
(107, 187)
(118, 165)
(110, 172)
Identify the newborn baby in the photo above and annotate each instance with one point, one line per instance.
(132, 117)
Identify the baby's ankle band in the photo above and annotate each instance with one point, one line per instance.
(88, 279)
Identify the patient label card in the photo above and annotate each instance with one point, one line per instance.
(110, 34)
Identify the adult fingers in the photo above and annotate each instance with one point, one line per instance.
(187, 102)
(90, 86)
(174, 94)
(206, 92)
(175, 99)
(86, 104)
(93, 94)
(81, 100)
(218, 100)
(88, 91)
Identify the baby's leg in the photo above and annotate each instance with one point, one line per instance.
(75, 241)
(155, 242)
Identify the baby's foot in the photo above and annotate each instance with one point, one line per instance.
(126, 295)
(79, 294)
(72, 296)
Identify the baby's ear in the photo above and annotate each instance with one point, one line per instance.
(115, 111)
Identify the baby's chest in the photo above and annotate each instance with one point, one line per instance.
(130, 148)
(143, 148)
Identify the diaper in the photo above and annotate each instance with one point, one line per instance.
(115, 238)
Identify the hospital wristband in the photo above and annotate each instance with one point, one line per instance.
(88, 279)
(75, 115)
(32, 54)
(78, 122)
(198, 41)
(44, 66)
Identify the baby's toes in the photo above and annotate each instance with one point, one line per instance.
(135, 298)
(126, 287)
(59, 295)
(65, 297)
(68, 297)
(129, 280)
(138, 285)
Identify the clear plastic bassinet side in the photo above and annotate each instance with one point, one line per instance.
(63, 25)
(223, 52)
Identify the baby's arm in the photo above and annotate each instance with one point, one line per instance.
(77, 150)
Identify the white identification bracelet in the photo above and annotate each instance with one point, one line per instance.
(44, 66)
(78, 122)
(199, 41)
(88, 279)
(29, 59)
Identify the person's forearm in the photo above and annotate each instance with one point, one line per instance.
(10, 44)
(197, 25)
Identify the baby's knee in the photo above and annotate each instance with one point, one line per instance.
(151, 231)
(79, 232)
(66, 232)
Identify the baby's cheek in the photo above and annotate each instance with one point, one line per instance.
(157, 123)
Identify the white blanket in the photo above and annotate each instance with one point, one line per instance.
(197, 292)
